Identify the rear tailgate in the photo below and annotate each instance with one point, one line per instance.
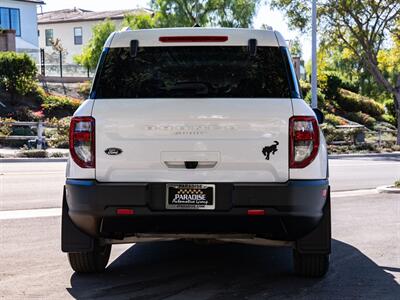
(225, 136)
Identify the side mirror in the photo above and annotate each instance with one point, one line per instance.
(320, 115)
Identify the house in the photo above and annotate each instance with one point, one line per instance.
(73, 28)
(21, 16)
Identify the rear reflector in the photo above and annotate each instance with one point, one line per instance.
(192, 39)
(256, 212)
(125, 211)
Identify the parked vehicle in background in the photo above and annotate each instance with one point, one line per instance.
(196, 133)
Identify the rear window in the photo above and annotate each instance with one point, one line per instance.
(195, 72)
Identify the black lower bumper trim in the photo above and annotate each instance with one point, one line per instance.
(292, 209)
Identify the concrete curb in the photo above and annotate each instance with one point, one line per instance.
(17, 160)
(389, 189)
(357, 155)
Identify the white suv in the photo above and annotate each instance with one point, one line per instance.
(196, 133)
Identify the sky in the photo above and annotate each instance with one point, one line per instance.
(264, 16)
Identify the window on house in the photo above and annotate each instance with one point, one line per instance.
(10, 19)
(78, 35)
(49, 36)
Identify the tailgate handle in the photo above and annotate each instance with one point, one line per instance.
(190, 164)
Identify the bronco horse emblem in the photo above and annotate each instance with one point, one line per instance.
(267, 150)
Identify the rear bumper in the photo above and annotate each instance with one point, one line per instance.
(292, 209)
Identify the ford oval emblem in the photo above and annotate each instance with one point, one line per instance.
(113, 151)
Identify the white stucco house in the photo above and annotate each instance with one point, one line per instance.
(21, 15)
(73, 27)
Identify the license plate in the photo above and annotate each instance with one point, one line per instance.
(190, 196)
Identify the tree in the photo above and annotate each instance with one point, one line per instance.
(173, 13)
(57, 48)
(295, 48)
(92, 51)
(225, 13)
(363, 26)
(139, 21)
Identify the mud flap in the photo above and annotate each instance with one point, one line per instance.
(319, 240)
(73, 239)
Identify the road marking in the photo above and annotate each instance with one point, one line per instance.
(56, 212)
(355, 193)
(32, 173)
(30, 213)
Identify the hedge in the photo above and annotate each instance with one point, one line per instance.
(352, 102)
(332, 82)
(361, 118)
(59, 106)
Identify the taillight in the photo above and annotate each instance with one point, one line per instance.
(81, 141)
(304, 141)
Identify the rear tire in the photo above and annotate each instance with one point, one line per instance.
(90, 262)
(310, 265)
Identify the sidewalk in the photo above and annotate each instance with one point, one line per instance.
(357, 155)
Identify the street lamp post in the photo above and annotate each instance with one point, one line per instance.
(314, 100)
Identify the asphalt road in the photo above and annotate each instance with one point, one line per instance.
(39, 185)
(363, 173)
(365, 255)
(365, 263)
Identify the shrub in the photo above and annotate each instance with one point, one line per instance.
(351, 102)
(84, 89)
(330, 82)
(367, 147)
(5, 126)
(397, 183)
(320, 97)
(59, 136)
(24, 131)
(59, 106)
(305, 87)
(38, 94)
(334, 120)
(57, 154)
(390, 107)
(361, 118)
(23, 113)
(332, 134)
(390, 119)
(32, 153)
(332, 85)
(17, 73)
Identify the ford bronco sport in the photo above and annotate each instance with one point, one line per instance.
(196, 133)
